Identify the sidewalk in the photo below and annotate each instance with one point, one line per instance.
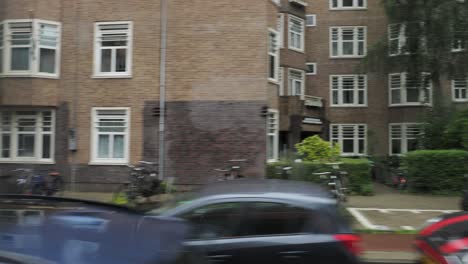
(389, 248)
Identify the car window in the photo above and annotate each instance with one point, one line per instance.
(215, 221)
(265, 218)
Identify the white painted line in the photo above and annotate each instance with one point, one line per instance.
(361, 218)
(384, 211)
(404, 210)
(416, 212)
(407, 228)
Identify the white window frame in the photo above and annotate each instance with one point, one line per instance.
(273, 114)
(95, 135)
(98, 50)
(356, 138)
(354, 7)
(315, 68)
(456, 87)
(404, 137)
(38, 140)
(281, 81)
(34, 52)
(403, 91)
(292, 81)
(280, 28)
(356, 90)
(274, 54)
(291, 33)
(276, 2)
(314, 18)
(339, 40)
(2, 47)
(401, 39)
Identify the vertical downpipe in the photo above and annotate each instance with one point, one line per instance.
(162, 90)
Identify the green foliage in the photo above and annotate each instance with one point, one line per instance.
(358, 173)
(314, 149)
(445, 129)
(456, 133)
(436, 171)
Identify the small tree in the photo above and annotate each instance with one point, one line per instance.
(314, 148)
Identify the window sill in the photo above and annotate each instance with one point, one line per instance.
(460, 101)
(347, 57)
(127, 76)
(12, 75)
(348, 9)
(296, 50)
(108, 163)
(27, 161)
(272, 160)
(273, 81)
(311, 74)
(349, 106)
(410, 105)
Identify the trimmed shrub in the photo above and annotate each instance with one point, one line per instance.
(359, 173)
(315, 148)
(436, 171)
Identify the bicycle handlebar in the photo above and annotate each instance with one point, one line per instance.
(322, 173)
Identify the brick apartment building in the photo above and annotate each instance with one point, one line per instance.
(80, 85)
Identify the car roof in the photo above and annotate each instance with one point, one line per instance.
(264, 187)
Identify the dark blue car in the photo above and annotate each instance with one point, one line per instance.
(68, 231)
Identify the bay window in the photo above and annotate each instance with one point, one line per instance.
(352, 138)
(110, 138)
(296, 33)
(296, 82)
(272, 135)
(348, 90)
(404, 137)
(410, 90)
(27, 136)
(460, 90)
(113, 49)
(29, 47)
(273, 55)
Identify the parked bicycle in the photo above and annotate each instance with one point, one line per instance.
(399, 179)
(232, 171)
(335, 180)
(143, 182)
(45, 182)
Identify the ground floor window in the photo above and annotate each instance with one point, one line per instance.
(110, 135)
(352, 138)
(272, 135)
(27, 135)
(404, 137)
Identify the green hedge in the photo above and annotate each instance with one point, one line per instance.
(358, 172)
(436, 171)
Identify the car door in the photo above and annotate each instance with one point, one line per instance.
(273, 233)
(215, 231)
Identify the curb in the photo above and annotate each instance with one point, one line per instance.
(391, 257)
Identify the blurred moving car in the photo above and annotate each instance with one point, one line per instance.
(445, 241)
(265, 221)
(37, 229)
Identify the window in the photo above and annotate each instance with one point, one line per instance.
(348, 90)
(215, 221)
(311, 68)
(348, 4)
(296, 33)
(277, 2)
(311, 20)
(265, 218)
(406, 90)
(27, 136)
(405, 38)
(113, 49)
(24, 54)
(296, 82)
(459, 44)
(348, 42)
(272, 135)
(273, 55)
(404, 138)
(110, 142)
(2, 38)
(281, 81)
(460, 90)
(350, 137)
(280, 28)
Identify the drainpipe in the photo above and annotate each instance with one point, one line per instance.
(162, 89)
